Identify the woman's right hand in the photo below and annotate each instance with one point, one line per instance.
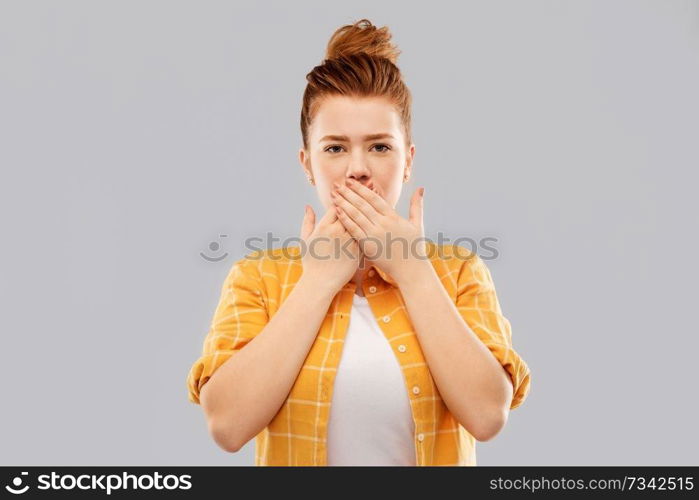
(331, 255)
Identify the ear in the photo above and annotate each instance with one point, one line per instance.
(409, 156)
(305, 161)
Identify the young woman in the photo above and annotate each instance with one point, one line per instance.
(385, 350)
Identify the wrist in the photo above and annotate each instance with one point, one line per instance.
(415, 271)
(318, 285)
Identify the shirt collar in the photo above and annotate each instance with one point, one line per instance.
(384, 275)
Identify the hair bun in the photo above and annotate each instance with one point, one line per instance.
(362, 37)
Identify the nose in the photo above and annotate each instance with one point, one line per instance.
(361, 174)
(366, 180)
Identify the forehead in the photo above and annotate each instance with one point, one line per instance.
(354, 117)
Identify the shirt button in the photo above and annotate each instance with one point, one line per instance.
(372, 289)
(416, 390)
(421, 437)
(386, 319)
(371, 272)
(402, 348)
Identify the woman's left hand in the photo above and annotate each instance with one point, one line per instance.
(385, 238)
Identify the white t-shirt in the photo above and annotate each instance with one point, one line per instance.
(370, 418)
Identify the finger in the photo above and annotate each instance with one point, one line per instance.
(358, 203)
(329, 217)
(350, 225)
(416, 210)
(352, 211)
(372, 197)
(309, 222)
(334, 221)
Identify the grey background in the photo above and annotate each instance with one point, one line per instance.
(134, 133)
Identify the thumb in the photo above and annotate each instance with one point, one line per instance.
(309, 222)
(416, 208)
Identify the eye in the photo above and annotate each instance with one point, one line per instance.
(330, 147)
(388, 148)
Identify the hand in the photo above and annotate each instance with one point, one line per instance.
(331, 256)
(385, 238)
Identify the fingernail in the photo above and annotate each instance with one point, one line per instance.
(422, 192)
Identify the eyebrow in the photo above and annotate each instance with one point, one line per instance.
(344, 138)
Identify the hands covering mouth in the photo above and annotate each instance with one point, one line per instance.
(374, 189)
(369, 218)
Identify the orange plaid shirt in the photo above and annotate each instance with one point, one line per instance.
(253, 291)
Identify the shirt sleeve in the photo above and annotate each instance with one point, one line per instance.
(239, 316)
(478, 304)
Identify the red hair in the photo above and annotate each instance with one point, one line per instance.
(360, 61)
